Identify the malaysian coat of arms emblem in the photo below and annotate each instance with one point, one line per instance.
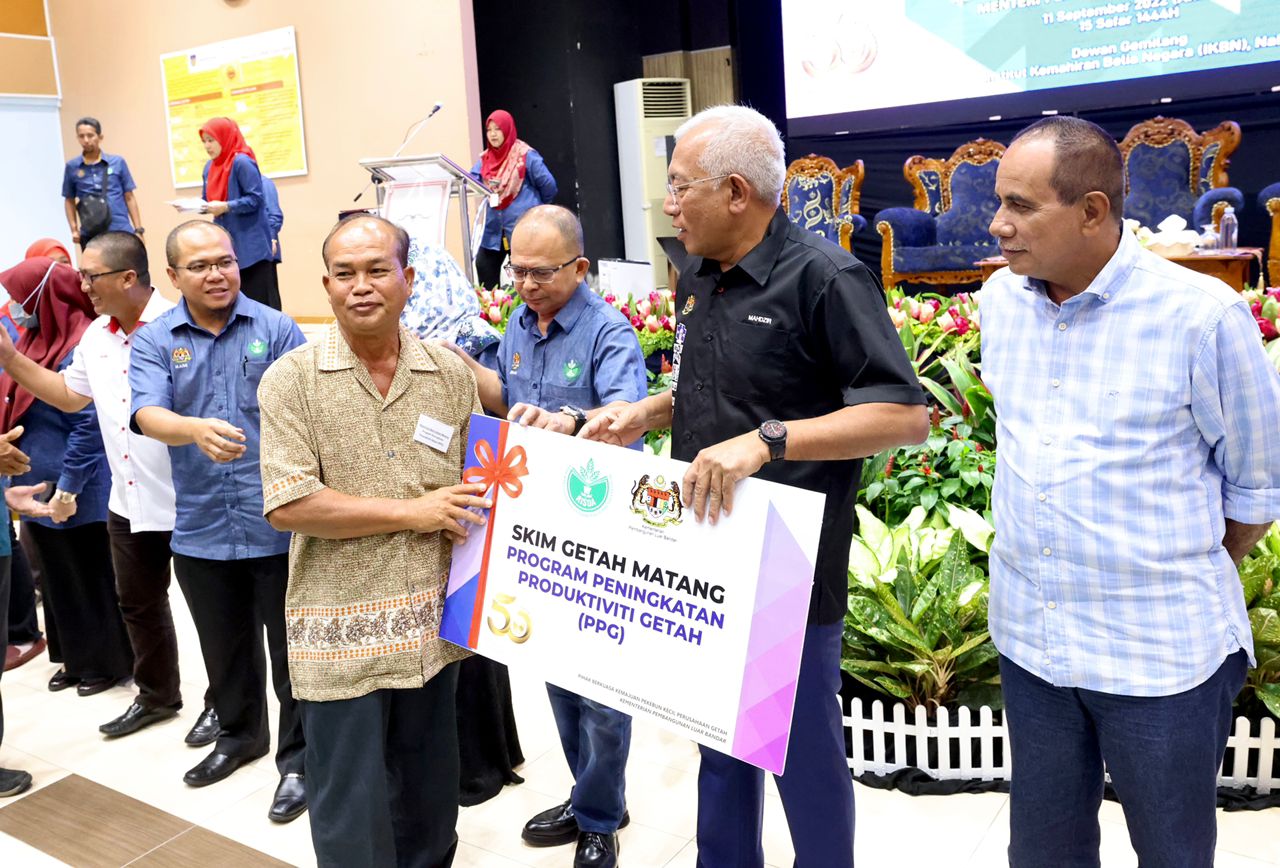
(657, 502)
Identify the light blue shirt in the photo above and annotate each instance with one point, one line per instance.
(109, 178)
(178, 365)
(1132, 421)
(589, 356)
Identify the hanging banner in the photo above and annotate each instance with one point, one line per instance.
(254, 81)
(591, 574)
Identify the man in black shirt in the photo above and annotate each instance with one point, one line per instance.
(788, 368)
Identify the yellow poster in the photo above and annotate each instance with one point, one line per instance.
(254, 81)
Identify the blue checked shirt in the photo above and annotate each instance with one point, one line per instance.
(1132, 421)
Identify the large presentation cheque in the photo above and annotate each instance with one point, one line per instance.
(590, 574)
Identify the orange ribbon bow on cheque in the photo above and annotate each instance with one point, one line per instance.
(504, 471)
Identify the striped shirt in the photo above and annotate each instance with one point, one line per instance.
(1132, 421)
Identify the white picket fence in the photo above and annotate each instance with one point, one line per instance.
(1247, 749)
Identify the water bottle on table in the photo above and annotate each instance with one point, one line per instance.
(1228, 229)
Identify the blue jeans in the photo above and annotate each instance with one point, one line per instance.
(596, 741)
(816, 789)
(1163, 753)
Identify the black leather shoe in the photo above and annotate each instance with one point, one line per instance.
(61, 681)
(290, 799)
(215, 767)
(206, 729)
(596, 850)
(94, 686)
(556, 826)
(136, 718)
(13, 782)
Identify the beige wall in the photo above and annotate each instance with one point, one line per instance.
(368, 71)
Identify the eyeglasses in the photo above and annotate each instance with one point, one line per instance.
(676, 191)
(199, 269)
(540, 275)
(86, 277)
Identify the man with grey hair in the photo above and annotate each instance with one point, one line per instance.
(788, 368)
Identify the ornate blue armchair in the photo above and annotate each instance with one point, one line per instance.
(823, 199)
(1169, 168)
(946, 232)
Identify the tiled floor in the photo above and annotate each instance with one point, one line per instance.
(54, 735)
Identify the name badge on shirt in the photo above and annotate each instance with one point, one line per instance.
(434, 433)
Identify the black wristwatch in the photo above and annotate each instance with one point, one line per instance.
(138, 230)
(774, 435)
(579, 416)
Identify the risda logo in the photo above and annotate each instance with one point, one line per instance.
(586, 487)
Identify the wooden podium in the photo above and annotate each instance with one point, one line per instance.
(416, 193)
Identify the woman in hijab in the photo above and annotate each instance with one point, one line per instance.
(26, 642)
(70, 529)
(234, 196)
(51, 248)
(519, 179)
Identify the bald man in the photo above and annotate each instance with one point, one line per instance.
(566, 353)
(194, 376)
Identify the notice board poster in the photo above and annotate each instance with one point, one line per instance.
(254, 81)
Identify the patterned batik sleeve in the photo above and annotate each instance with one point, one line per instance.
(290, 461)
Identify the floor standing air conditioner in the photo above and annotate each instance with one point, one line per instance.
(649, 110)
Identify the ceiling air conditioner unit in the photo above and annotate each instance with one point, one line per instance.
(649, 110)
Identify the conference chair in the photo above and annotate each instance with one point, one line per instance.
(1169, 168)
(819, 197)
(939, 239)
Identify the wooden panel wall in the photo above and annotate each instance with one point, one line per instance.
(27, 66)
(712, 78)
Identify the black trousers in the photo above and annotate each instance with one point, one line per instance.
(259, 282)
(23, 625)
(231, 603)
(4, 626)
(80, 590)
(142, 584)
(489, 267)
(488, 742)
(382, 776)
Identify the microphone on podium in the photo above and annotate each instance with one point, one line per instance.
(413, 130)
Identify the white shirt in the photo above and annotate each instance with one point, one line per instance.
(141, 480)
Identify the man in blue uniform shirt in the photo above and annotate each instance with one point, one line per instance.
(194, 374)
(567, 349)
(98, 175)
